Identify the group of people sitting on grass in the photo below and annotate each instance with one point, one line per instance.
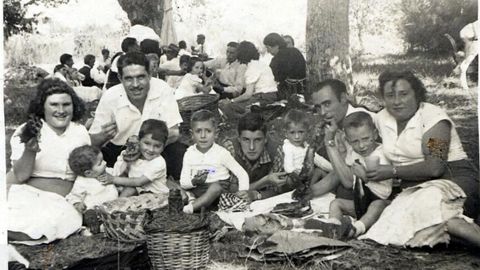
(60, 169)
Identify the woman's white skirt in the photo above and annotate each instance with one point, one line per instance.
(418, 215)
(41, 215)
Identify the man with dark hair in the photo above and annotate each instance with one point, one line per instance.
(129, 44)
(229, 73)
(93, 76)
(124, 107)
(330, 100)
(260, 157)
(67, 60)
(150, 46)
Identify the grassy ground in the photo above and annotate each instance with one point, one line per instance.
(442, 90)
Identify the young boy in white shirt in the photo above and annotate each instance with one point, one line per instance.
(207, 165)
(361, 134)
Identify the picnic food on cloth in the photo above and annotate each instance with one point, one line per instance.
(230, 202)
(293, 209)
(132, 149)
(267, 224)
(31, 129)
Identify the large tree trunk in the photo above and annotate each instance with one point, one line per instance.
(327, 42)
(146, 12)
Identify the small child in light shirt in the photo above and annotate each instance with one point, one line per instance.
(193, 82)
(148, 172)
(207, 165)
(88, 164)
(295, 145)
(175, 80)
(361, 134)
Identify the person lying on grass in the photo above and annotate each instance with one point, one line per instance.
(141, 168)
(361, 135)
(207, 165)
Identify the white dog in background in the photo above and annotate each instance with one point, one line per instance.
(469, 35)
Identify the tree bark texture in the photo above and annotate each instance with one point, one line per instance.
(327, 42)
(147, 12)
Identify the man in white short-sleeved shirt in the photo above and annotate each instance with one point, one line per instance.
(124, 107)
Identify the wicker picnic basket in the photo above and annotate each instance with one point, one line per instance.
(188, 105)
(124, 226)
(170, 250)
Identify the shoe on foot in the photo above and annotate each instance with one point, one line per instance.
(347, 230)
(330, 230)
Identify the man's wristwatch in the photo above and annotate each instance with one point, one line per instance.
(331, 143)
(258, 196)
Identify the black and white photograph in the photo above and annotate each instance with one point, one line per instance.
(207, 134)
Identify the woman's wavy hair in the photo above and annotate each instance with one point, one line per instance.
(274, 39)
(395, 76)
(247, 52)
(50, 87)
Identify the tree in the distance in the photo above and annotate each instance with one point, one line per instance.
(327, 42)
(14, 16)
(145, 12)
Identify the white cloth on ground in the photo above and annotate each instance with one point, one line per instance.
(41, 215)
(417, 216)
(319, 205)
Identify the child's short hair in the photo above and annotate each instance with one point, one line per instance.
(157, 128)
(296, 117)
(82, 159)
(358, 119)
(185, 59)
(252, 122)
(202, 116)
(58, 67)
(192, 62)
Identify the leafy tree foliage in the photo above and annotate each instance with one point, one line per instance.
(14, 15)
(426, 22)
